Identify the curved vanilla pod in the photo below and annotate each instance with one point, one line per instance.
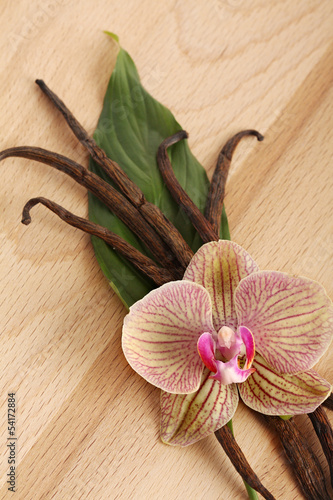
(141, 262)
(238, 460)
(214, 205)
(114, 200)
(201, 224)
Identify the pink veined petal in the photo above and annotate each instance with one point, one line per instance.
(248, 340)
(230, 372)
(219, 266)
(188, 418)
(274, 394)
(161, 332)
(206, 349)
(291, 318)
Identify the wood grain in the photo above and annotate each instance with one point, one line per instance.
(87, 424)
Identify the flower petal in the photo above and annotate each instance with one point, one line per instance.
(206, 349)
(161, 332)
(188, 418)
(291, 318)
(219, 266)
(230, 372)
(248, 340)
(274, 394)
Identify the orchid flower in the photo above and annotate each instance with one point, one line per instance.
(229, 325)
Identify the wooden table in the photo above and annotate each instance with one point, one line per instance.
(87, 425)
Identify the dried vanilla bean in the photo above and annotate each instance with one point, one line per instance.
(328, 403)
(201, 224)
(304, 462)
(213, 210)
(115, 201)
(237, 457)
(151, 213)
(144, 264)
(324, 431)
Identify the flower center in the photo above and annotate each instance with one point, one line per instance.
(230, 345)
(225, 336)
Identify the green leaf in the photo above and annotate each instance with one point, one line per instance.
(131, 127)
(112, 35)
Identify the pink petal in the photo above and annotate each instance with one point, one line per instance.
(189, 418)
(248, 340)
(230, 373)
(161, 332)
(291, 318)
(274, 394)
(206, 349)
(219, 266)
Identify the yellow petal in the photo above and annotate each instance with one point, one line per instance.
(274, 394)
(188, 418)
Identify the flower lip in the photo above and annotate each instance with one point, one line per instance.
(230, 371)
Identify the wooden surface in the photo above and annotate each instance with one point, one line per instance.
(88, 426)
